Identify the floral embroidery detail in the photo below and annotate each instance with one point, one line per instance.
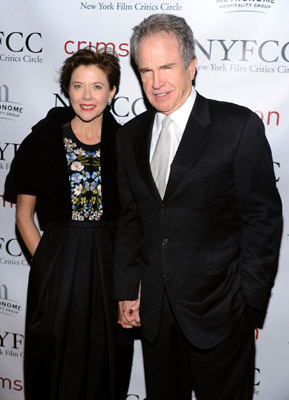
(69, 145)
(79, 152)
(76, 166)
(85, 181)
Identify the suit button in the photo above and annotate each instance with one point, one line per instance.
(165, 242)
(164, 276)
(163, 207)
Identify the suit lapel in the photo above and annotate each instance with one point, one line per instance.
(141, 146)
(193, 141)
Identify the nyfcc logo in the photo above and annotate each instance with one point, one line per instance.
(21, 47)
(11, 344)
(11, 254)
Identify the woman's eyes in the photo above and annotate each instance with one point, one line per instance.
(79, 86)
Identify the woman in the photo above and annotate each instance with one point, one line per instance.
(66, 171)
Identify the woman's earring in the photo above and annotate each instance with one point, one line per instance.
(109, 102)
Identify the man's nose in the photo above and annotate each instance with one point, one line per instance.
(157, 80)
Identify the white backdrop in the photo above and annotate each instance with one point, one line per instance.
(243, 57)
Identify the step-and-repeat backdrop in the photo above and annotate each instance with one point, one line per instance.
(243, 57)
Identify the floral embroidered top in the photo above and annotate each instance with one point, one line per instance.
(84, 170)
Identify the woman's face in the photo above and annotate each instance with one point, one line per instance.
(89, 92)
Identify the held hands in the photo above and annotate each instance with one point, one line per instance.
(128, 313)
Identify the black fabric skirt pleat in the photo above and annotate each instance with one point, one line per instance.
(74, 348)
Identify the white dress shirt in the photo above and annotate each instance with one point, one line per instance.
(180, 118)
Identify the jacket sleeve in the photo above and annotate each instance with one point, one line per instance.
(22, 177)
(261, 212)
(129, 240)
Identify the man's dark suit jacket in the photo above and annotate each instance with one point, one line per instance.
(213, 240)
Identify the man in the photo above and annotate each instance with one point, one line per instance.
(200, 225)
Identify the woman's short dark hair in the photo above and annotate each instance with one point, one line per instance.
(107, 62)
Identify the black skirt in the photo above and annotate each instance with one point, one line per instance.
(74, 348)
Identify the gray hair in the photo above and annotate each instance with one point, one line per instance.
(168, 23)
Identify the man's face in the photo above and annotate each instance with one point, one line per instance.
(166, 81)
